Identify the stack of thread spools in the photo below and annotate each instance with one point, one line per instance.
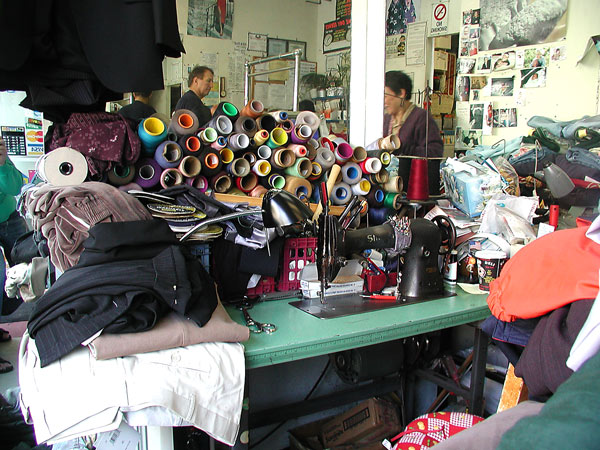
(250, 151)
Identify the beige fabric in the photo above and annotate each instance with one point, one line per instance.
(170, 332)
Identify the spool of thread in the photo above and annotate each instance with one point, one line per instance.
(380, 177)
(287, 126)
(317, 171)
(261, 137)
(394, 184)
(239, 167)
(308, 118)
(264, 152)
(163, 118)
(121, 175)
(311, 152)
(200, 182)
(351, 173)
(279, 116)
(222, 125)
(238, 141)
(258, 191)
(282, 158)
(299, 150)
(333, 174)
(168, 154)
(147, 173)
(302, 168)
(227, 109)
(392, 200)
(418, 181)
(363, 187)
(266, 122)
(190, 166)
(325, 142)
(220, 143)
(391, 142)
(208, 135)
(337, 140)
(151, 131)
(275, 181)
(253, 108)
(343, 152)
(300, 187)
(250, 157)
(183, 122)
(375, 197)
(190, 144)
(371, 165)
(385, 158)
(226, 155)
(261, 167)
(277, 138)
(359, 155)
(325, 158)
(246, 125)
(211, 162)
(221, 182)
(341, 193)
(247, 183)
(554, 211)
(301, 134)
(378, 216)
(171, 177)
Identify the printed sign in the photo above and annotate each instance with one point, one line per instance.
(439, 19)
(14, 138)
(336, 35)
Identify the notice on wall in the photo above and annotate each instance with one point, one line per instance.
(34, 137)
(415, 43)
(439, 19)
(14, 138)
(336, 35)
(237, 69)
(343, 9)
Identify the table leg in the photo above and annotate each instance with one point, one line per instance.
(478, 372)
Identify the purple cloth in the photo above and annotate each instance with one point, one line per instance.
(413, 137)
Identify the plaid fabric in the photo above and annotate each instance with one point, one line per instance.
(429, 429)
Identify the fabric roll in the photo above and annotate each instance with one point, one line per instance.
(316, 172)
(246, 125)
(239, 167)
(298, 149)
(190, 144)
(300, 187)
(208, 135)
(258, 191)
(200, 182)
(226, 155)
(261, 167)
(394, 184)
(247, 182)
(287, 125)
(343, 152)
(211, 162)
(264, 152)
(151, 131)
(351, 173)
(325, 158)
(253, 108)
(63, 166)
(359, 155)
(238, 141)
(260, 137)
(250, 157)
(302, 168)
(171, 177)
(184, 121)
(221, 124)
(221, 182)
(363, 187)
(279, 116)
(226, 109)
(220, 143)
(121, 175)
(190, 166)
(266, 122)
(341, 193)
(147, 173)
(282, 158)
(308, 118)
(376, 197)
(277, 138)
(301, 134)
(168, 154)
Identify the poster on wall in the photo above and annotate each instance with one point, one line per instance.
(395, 46)
(476, 116)
(534, 77)
(510, 24)
(503, 87)
(399, 14)
(14, 139)
(343, 9)
(210, 18)
(34, 137)
(505, 117)
(336, 35)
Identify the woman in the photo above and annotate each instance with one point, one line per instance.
(419, 135)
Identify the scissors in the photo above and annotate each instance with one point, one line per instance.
(257, 327)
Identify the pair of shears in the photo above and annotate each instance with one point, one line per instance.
(255, 326)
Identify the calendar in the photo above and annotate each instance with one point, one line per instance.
(14, 138)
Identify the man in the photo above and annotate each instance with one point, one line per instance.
(200, 82)
(140, 108)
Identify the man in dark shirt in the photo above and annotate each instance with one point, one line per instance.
(140, 108)
(200, 82)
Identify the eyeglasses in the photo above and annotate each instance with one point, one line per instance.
(392, 95)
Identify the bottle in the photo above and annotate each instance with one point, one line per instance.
(451, 269)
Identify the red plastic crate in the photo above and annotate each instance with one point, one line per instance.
(297, 253)
(264, 286)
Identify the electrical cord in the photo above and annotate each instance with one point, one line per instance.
(279, 425)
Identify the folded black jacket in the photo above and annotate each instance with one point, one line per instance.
(115, 291)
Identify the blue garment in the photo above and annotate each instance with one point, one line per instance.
(498, 149)
(525, 164)
(564, 129)
(584, 157)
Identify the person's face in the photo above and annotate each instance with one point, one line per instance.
(203, 85)
(392, 102)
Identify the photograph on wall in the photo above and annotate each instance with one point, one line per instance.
(520, 59)
(464, 48)
(503, 61)
(502, 87)
(484, 64)
(399, 14)
(534, 77)
(505, 117)
(473, 47)
(474, 33)
(465, 32)
(488, 116)
(476, 116)
(210, 18)
(475, 16)
(519, 23)
(466, 65)
(478, 82)
(536, 57)
(476, 95)
(469, 138)
(463, 87)
(558, 53)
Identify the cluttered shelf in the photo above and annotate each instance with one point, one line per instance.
(257, 201)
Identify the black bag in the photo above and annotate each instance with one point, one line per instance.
(29, 246)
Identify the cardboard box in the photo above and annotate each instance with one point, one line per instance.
(371, 420)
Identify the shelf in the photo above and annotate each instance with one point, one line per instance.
(257, 201)
(329, 97)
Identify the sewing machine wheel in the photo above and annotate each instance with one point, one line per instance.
(448, 231)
